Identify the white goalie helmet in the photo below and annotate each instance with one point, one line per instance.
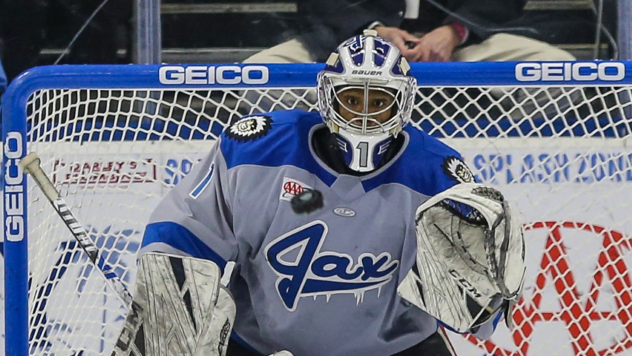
(366, 64)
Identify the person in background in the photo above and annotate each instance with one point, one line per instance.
(3, 88)
(3, 82)
(423, 30)
(433, 31)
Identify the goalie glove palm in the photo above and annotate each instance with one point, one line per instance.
(470, 256)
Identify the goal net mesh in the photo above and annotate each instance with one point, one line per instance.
(560, 153)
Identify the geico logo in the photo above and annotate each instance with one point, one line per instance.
(14, 192)
(567, 71)
(213, 75)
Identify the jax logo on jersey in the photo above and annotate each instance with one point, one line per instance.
(306, 271)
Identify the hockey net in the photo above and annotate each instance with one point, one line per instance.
(116, 139)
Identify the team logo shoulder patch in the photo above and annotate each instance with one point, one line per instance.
(457, 170)
(249, 128)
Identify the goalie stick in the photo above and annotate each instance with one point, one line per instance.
(31, 165)
(135, 326)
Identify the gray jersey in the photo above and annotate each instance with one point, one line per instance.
(317, 284)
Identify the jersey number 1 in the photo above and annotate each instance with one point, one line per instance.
(363, 147)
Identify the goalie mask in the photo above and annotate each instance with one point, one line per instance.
(365, 96)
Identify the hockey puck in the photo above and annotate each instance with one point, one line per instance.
(307, 201)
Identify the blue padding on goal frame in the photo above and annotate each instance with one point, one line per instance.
(608, 74)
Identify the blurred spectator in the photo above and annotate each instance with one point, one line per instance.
(22, 29)
(424, 30)
(27, 27)
(3, 81)
(3, 88)
(436, 30)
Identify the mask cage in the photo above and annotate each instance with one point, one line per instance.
(329, 90)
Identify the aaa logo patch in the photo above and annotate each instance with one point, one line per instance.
(249, 128)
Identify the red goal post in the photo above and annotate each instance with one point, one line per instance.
(554, 136)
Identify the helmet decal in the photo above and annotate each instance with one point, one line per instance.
(356, 50)
(380, 51)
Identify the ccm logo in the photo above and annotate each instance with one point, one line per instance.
(465, 284)
(568, 71)
(213, 75)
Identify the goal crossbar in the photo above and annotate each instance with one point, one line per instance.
(554, 135)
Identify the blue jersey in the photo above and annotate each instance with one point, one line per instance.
(317, 284)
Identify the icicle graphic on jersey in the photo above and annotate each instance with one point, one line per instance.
(314, 272)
